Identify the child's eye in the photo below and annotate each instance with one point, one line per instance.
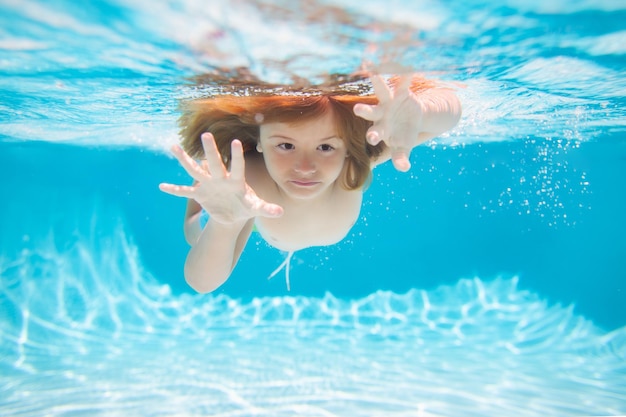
(286, 146)
(326, 148)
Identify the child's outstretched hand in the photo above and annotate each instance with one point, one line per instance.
(224, 195)
(397, 119)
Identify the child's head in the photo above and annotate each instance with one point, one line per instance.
(231, 117)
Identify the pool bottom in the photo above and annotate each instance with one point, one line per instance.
(474, 349)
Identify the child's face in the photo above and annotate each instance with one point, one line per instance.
(304, 159)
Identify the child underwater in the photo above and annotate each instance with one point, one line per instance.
(293, 163)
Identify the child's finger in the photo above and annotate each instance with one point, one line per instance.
(237, 162)
(404, 84)
(375, 134)
(367, 112)
(188, 164)
(400, 159)
(381, 89)
(212, 155)
(373, 137)
(177, 190)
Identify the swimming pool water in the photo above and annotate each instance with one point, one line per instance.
(488, 281)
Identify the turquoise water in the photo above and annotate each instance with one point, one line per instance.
(489, 281)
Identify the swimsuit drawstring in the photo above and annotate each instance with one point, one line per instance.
(287, 265)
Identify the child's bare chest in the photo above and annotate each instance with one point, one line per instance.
(322, 226)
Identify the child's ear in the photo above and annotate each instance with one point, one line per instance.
(258, 147)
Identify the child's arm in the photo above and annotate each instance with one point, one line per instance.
(404, 120)
(191, 225)
(217, 258)
(232, 206)
(213, 257)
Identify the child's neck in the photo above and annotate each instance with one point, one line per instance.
(323, 199)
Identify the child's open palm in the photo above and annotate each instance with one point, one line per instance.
(397, 119)
(224, 194)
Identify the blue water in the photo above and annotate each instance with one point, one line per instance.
(489, 281)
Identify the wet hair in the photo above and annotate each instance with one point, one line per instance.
(239, 109)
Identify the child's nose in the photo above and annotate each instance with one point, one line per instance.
(305, 165)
